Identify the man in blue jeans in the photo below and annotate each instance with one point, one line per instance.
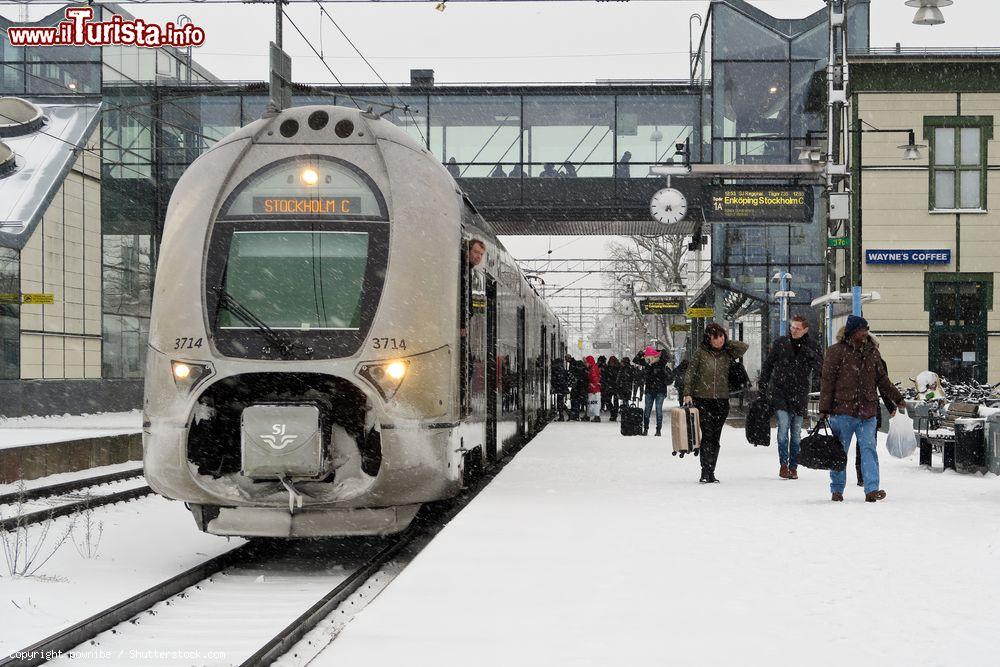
(853, 375)
(657, 376)
(785, 379)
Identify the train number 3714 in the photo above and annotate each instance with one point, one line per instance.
(389, 343)
(187, 343)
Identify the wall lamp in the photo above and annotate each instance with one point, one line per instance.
(911, 149)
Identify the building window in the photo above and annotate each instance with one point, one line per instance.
(958, 161)
(10, 310)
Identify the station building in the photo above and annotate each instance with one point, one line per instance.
(85, 233)
(925, 231)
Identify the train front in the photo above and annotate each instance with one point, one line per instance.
(300, 377)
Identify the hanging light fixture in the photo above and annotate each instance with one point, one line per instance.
(911, 151)
(929, 11)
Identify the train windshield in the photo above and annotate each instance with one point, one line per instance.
(297, 279)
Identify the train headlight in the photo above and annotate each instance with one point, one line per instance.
(187, 374)
(310, 176)
(386, 376)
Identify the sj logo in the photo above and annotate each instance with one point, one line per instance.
(277, 438)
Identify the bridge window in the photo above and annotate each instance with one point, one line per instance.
(482, 133)
(650, 126)
(578, 130)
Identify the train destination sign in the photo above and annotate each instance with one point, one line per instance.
(306, 205)
(763, 204)
(662, 306)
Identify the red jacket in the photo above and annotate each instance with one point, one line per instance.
(593, 376)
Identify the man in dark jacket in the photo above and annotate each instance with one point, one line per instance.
(785, 380)
(560, 384)
(853, 376)
(657, 376)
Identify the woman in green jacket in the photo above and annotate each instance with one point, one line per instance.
(706, 386)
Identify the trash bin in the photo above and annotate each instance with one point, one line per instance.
(970, 444)
(993, 444)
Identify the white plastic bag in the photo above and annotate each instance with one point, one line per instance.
(594, 405)
(902, 441)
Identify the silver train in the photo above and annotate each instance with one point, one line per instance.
(323, 357)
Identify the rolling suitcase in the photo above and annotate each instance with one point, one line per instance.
(685, 431)
(758, 425)
(631, 420)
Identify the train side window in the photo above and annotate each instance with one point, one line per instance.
(464, 302)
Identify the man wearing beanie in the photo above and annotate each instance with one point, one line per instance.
(853, 374)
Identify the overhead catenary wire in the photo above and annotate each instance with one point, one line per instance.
(321, 59)
(406, 107)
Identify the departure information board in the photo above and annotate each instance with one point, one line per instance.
(662, 306)
(763, 204)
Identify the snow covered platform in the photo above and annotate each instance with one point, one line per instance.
(594, 549)
(32, 447)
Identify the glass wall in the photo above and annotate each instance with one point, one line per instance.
(649, 127)
(482, 133)
(569, 135)
(10, 323)
(128, 289)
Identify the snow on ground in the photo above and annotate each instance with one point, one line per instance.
(143, 543)
(19, 431)
(594, 549)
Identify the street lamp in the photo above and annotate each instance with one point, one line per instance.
(928, 11)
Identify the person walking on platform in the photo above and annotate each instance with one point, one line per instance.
(609, 385)
(638, 375)
(593, 390)
(560, 384)
(706, 386)
(853, 376)
(602, 364)
(657, 376)
(578, 384)
(785, 380)
(679, 374)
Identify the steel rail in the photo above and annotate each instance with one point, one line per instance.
(67, 487)
(13, 522)
(64, 640)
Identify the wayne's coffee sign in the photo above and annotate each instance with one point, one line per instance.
(763, 204)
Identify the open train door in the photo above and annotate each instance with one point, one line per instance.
(522, 375)
(492, 393)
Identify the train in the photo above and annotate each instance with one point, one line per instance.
(337, 336)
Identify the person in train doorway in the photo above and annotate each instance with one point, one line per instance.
(853, 376)
(593, 390)
(477, 250)
(549, 171)
(560, 386)
(623, 167)
(453, 168)
(610, 378)
(706, 387)
(794, 363)
(656, 377)
(579, 379)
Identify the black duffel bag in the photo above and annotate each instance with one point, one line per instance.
(822, 450)
(738, 378)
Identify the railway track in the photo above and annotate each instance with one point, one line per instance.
(248, 606)
(76, 494)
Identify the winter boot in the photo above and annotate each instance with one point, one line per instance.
(783, 473)
(645, 430)
(597, 419)
(561, 419)
(657, 432)
(837, 498)
(706, 478)
(793, 473)
(713, 479)
(875, 496)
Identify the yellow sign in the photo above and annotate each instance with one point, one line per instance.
(10, 297)
(680, 327)
(579, 344)
(38, 298)
(700, 313)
